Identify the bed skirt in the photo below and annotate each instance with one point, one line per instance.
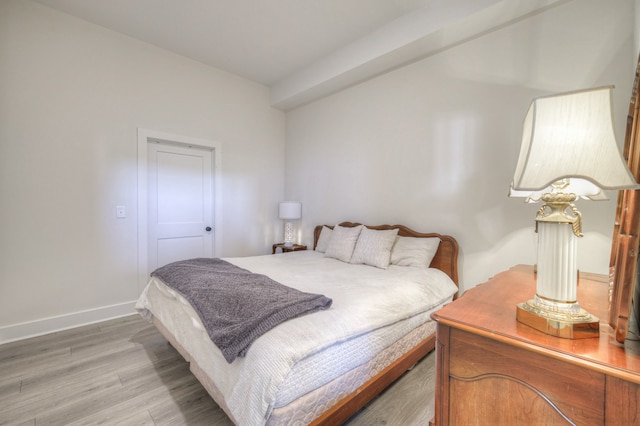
(312, 405)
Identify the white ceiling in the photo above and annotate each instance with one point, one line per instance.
(302, 49)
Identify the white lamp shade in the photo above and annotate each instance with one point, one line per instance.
(570, 135)
(290, 210)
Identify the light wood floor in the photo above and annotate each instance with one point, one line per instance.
(123, 372)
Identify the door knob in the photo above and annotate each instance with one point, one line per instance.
(208, 228)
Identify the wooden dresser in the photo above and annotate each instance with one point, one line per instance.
(493, 370)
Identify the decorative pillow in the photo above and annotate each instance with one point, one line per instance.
(374, 247)
(343, 241)
(323, 239)
(410, 251)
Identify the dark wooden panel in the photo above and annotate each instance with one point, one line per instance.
(626, 227)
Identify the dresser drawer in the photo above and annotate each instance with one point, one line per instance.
(493, 382)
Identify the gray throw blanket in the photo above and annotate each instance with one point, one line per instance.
(235, 305)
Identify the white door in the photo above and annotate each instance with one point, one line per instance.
(179, 203)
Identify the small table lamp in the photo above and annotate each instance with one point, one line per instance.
(568, 151)
(289, 210)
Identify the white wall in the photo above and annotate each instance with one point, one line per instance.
(72, 96)
(433, 145)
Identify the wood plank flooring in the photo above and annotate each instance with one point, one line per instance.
(123, 372)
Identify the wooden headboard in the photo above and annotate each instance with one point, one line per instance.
(446, 258)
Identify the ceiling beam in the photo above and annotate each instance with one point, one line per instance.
(440, 25)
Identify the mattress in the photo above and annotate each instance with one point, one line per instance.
(308, 407)
(372, 309)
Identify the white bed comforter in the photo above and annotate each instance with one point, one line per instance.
(365, 299)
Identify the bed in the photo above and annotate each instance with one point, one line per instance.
(322, 367)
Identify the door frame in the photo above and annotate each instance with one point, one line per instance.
(146, 136)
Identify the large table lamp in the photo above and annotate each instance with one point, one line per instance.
(568, 151)
(288, 211)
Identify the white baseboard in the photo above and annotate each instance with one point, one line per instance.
(39, 327)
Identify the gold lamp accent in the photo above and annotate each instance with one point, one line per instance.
(569, 151)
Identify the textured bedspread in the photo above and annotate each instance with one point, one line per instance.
(371, 309)
(236, 306)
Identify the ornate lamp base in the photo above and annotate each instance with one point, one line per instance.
(555, 310)
(569, 325)
(288, 234)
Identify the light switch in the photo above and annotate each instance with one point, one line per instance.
(121, 211)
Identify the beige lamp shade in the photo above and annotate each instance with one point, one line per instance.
(570, 135)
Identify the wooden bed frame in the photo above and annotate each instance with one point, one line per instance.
(446, 259)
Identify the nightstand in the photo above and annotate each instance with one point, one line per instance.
(491, 369)
(295, 247)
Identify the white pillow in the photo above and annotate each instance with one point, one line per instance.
(323, 239)
(410, 251)
(343, 241)
(374, 247)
